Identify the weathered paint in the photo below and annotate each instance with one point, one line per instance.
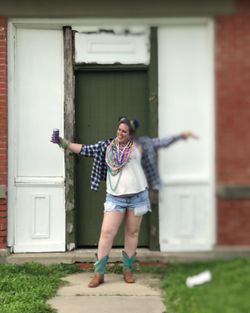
(69, 122)
(153, 132)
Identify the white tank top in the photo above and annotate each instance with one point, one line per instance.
(131, 179)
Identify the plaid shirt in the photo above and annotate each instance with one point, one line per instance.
(149, 159)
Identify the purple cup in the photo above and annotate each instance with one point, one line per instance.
(55, 136)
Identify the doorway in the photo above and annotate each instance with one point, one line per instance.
(103, 93)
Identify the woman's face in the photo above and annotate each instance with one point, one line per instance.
(123, 133)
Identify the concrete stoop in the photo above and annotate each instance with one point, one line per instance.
(143, 256)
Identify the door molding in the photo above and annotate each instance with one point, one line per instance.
(69, 130)
(84, 24)
(12, 130)
(153, 132)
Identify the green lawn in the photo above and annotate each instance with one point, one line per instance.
(228, 292)
(25, 288)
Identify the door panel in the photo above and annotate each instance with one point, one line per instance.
(101, 97)
(187, 207)
(36, 167)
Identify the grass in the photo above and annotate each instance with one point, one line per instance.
(228, 292)
(25, 288)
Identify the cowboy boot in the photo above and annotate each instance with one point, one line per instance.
(128, 267)
(99, 269)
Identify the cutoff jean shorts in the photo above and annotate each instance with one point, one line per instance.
(138, 202)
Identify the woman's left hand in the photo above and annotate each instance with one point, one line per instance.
(188, 134)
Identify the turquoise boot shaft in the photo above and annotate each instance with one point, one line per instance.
(128, 262)
(100, 265)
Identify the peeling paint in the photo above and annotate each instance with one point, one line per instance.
(118, 30)
(71, 246)
(69, 114)
(70, 228)
(108, 47)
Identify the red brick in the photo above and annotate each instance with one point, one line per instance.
(3, 128)
(3, 204)
(3, 215)
(3, 242)
(232, 70)
(3, 226)
(3, 233)
(3, 157)
(234, 222)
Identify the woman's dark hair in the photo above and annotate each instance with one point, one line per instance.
(132, 124)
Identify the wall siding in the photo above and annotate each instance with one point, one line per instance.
(3, 131)
(114, 8)
(233, 116)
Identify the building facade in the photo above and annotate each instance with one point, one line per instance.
(177, 67)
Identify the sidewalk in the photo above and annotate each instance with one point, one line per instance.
(113, 296)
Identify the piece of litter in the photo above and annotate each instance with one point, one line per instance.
(199, 279)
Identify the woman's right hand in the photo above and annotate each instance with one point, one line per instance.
(55, 137)
(62, 142)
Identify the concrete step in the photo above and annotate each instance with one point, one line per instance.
(143, 256)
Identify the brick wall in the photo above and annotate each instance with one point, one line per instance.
(234, 222)
(232, 57)
(3, 130)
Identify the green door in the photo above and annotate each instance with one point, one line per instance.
(102, 95)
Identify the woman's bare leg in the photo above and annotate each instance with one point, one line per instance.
(110, 225)
(132, 229)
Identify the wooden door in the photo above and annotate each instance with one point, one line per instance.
(102, 95)
(36, 167)
(187, 197)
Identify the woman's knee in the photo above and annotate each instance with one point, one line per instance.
(132, 232)
(108, 233)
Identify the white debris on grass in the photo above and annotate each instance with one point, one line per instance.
(199, 279)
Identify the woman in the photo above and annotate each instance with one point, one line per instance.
(124, 163)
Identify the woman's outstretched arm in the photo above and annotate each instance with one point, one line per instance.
(64, 143)
(74, 147)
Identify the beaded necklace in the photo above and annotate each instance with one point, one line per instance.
(117, 158)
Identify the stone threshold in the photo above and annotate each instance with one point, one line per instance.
(143, 255)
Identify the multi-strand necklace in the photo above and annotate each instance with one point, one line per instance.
(117, 157)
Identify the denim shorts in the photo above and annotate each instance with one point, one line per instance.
(138, 202)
